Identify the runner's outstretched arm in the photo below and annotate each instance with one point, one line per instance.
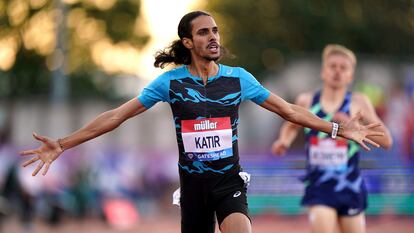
(294, 113)
(51, 149)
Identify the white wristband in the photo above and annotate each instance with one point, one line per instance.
(335, 128)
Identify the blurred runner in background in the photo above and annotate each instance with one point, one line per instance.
(335, 191)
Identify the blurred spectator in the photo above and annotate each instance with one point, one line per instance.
(399, 118)
(15, 198)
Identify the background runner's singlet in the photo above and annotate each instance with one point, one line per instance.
(332, 165)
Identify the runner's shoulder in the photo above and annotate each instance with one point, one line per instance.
(304, 99)
(231, 71)
(174, 73)
(360, 99)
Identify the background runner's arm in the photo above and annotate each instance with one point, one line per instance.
(289, 130)
(287, 135)
(369, 116)
(104, 123)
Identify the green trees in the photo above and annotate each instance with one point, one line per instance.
(32, 52)
(264, 33)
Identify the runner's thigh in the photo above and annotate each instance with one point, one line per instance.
(322, 219)
(353, 224)
(196, 214)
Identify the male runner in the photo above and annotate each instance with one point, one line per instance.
(335, 191)
(204, 97)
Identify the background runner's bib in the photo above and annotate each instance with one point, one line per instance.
(326, 152)
(207, 139)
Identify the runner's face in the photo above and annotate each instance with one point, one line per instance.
(206, 38)
(337, 71)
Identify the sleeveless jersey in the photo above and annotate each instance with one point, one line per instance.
(332, 165)
(205, 116)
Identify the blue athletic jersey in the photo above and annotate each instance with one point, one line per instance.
(333, 178)
(205, 116)
(332, 165)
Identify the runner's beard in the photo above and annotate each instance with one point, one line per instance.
(211, 58)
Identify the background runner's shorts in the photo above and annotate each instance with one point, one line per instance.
(204, 198)
(346, 202)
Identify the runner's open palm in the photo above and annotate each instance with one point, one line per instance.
(48, 152)
(353, 130)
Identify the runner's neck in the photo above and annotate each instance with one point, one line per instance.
(331, 99)
(203, 70)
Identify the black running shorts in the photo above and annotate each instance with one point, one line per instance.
(203, 199)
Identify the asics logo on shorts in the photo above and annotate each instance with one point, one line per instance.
(353, 211)
(236, 194)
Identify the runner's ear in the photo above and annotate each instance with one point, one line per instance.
(188, 43)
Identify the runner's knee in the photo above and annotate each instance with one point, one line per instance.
(236, 223)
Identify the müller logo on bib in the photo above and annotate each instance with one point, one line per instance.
(207, 139)
(205, 125)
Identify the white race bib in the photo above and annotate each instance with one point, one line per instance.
(207, 139)
(328, 153)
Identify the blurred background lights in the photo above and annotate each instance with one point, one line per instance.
(40, 34)
(17, 11)
(8, 50)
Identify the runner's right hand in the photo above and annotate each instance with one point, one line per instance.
(279, 147)
(48, 152)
